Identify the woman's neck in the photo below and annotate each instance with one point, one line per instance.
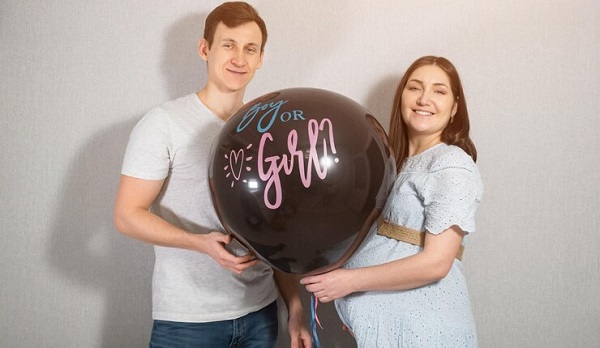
(416, 145)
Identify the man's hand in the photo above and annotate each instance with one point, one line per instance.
(289, 290)
(213, 244)
(299, 335)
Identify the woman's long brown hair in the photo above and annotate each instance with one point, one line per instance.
(455, 133)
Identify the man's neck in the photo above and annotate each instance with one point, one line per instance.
(221, 104)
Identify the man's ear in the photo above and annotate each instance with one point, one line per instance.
(260, 63)
(203, 49)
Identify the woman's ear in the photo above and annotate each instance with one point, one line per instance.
(455, 108)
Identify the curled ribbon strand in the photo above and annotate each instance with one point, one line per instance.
(314, 320)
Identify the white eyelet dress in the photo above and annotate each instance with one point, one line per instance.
(435, 190)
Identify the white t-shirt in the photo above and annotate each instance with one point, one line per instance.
(174, 141)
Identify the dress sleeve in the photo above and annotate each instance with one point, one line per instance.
(451, 196)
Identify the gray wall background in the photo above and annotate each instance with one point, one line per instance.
(75, 76)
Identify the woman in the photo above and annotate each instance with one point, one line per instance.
(405, 286)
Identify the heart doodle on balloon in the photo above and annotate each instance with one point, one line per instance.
(237, 161)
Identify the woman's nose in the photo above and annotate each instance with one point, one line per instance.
(423, 99)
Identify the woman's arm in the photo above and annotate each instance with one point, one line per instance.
(430, 265)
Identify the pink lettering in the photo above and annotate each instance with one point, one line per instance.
(270, 168)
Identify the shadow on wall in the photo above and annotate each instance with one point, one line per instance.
(182, 68)
(381, 97)
(88, 251)
(85, 247)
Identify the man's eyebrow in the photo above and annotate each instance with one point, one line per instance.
(233, 41)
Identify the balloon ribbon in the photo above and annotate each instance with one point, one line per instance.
(314, 320)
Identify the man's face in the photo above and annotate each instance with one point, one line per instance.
(234, 56)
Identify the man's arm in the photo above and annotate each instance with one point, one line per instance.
(133, 218)
(288, 287)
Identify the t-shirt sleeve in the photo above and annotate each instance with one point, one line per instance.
(147, 155)
(451, 197)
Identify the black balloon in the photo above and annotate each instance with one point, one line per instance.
(299, 175)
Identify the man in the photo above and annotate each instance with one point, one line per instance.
(208, 291)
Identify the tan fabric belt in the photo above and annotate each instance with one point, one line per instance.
(405, 234)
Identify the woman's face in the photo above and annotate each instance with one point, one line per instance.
(427, 102)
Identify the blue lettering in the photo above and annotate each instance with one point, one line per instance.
(267, 114)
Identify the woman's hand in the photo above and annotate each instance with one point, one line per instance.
(331, 285)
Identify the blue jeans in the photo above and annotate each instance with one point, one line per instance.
(254, 330)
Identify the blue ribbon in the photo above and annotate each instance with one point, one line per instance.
(313, 321)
